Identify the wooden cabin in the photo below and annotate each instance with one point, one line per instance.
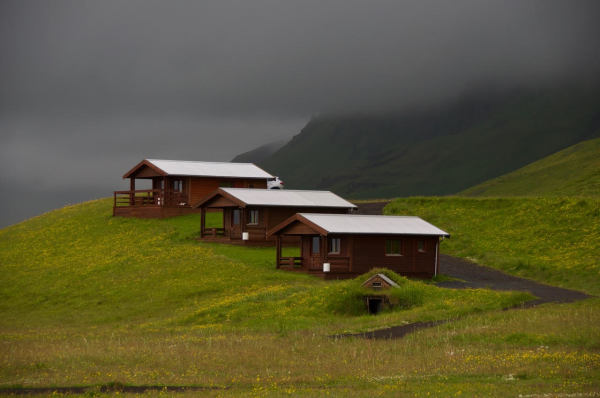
(248, 214)
(177, 184)
(337, 246)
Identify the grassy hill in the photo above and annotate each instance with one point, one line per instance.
(81, 266)
(574, 171)
(259, 154)
(88, 299)
(436, 150)
(554, 240)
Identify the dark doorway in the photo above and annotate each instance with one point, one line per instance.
(374, 305)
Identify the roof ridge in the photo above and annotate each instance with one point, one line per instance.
(282, 190)
(197, 161)
(359, 215)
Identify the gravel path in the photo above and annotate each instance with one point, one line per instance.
(478, 276)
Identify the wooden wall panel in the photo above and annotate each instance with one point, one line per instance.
(369, 252)
(200, 187)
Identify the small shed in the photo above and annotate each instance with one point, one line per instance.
(177, 184)
(248, 214)
(379, 281)
(345, 245)
(375, 302)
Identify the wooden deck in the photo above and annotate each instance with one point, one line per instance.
(150, 203)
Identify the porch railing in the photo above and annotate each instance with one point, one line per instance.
(138, 198)
(213, 232)
(149, 197)
(292, 262)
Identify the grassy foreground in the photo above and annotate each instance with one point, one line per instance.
(87, 299)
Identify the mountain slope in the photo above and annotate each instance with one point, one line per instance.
(259, 154)
(574, 171)
(437, 150)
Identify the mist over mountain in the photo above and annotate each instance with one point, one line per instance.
(89, 88)
(440, 149)
(259, 154)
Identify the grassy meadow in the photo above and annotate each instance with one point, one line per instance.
(553, 240)
(88, 300)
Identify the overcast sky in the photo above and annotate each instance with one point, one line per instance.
(89, 88)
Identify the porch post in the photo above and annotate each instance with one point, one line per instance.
(164, 191)
(223, 214)
(132, 189)
(323, 249)
(243, 220)
(278, 250)
(202, 220)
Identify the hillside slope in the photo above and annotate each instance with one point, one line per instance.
(259, 154)
(554, 240)
(436, 150)
(81, 266)
(88, 300)
(574, 171)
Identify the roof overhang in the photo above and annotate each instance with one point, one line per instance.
(296, 218)
(141, 164)
(299, 218)
(229, 200)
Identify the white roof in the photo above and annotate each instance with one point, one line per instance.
(213, 169)
(288, 197)
(366, 224)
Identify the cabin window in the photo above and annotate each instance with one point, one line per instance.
(227, 184)
(376, 285)
(236, 216)
(334, 245)
(253, 217)
(421, 246)
(177, 185)
(316, 243)
(393, 247)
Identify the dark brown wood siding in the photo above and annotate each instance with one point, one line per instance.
(200, 187)
(279, 214)
(369, 253)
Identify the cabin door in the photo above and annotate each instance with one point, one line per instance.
(316, 257)
(236, 224)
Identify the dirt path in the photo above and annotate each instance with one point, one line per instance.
(477, 276)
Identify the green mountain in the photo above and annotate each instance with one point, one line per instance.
(438, 149)
(574, 171)
(259, 154)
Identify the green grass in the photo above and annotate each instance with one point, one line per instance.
(80, 266)
(574, 171)
(88, 299)
(554, 240)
